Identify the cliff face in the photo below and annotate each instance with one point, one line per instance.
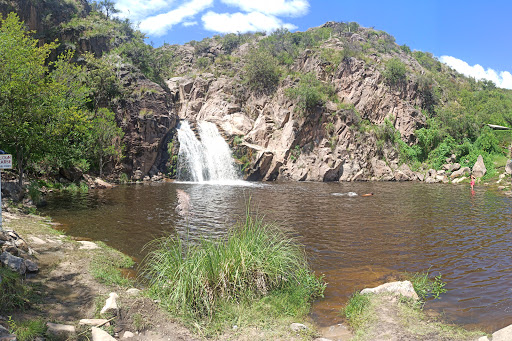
(148, 121)
(328, 143)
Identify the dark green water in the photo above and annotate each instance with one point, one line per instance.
(356, 242)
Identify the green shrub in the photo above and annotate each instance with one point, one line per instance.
(310, 93)
(255, 262)
(426, 286)
(261, 72)
(487, 141)
(395, 72)
(27, 330)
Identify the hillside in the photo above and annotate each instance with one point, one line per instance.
(338, 102)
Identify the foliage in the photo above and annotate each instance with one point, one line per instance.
(106, 265)
(102, 80)
(426, 286)
(356, 310)
(395, 72)
(40, 111)
(310, 93)
(105, 138)
(27, 330)
(14, 295)
(261, 72)
(251, 267)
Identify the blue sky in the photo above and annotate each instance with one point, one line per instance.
(474, 37)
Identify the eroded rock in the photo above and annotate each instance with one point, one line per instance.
(479, 169)
(403, 288)
(111, 305)
(16, 264)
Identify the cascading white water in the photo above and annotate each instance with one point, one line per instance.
(208, 159)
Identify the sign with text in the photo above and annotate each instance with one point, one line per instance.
(5, 161)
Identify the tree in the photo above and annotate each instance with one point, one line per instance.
(108, 7)
(41, 112)
(24, 102)
(105, 138)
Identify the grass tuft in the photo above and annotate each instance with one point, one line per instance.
(14, 294)
(213, 283)
(357, 310)
(27, 330)
(106, 265)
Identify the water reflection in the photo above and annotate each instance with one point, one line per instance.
(355, 241)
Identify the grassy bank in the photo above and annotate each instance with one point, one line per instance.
(255, 275)
(379, 316)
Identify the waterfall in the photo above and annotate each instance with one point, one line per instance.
(207, 159)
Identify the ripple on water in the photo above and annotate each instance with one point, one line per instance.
(355, 242)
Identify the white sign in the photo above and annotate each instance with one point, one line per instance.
(5, 161)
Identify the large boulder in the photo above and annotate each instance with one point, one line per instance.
(381, 170)
(479, 169)
(16, 264)
(460, 172)
(11, 189)
(454, 167)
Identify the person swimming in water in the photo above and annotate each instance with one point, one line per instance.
(367, 194)
(472, 182)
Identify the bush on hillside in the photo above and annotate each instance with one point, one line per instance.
(261, 72)
(395, 72)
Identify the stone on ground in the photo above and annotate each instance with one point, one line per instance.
(110, 305)
(133, 292)
(127, 335)
(61, 329)
(101, 335)
(16, 264)
(86, 245)
(5, 335)
(94, 322)
(403, 288)
(296, 327)
(504, 334)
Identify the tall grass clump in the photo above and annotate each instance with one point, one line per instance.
(207, 281)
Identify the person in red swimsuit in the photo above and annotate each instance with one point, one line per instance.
(472, 183)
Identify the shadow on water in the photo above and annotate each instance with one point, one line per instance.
(355, 242)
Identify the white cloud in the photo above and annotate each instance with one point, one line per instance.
(138, 9)
(159, 24)
(242, 22)
(189, 23)
(503, 79)
(272, 7)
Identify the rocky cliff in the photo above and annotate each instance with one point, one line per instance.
(327, 143)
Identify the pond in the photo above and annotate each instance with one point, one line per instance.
(356, 242)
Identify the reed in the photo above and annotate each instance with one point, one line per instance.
(253, 262)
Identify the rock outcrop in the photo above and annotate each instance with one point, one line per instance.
(479, 169)
(148, 121)
(322, 144)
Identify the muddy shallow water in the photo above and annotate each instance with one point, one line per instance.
(355, 242)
